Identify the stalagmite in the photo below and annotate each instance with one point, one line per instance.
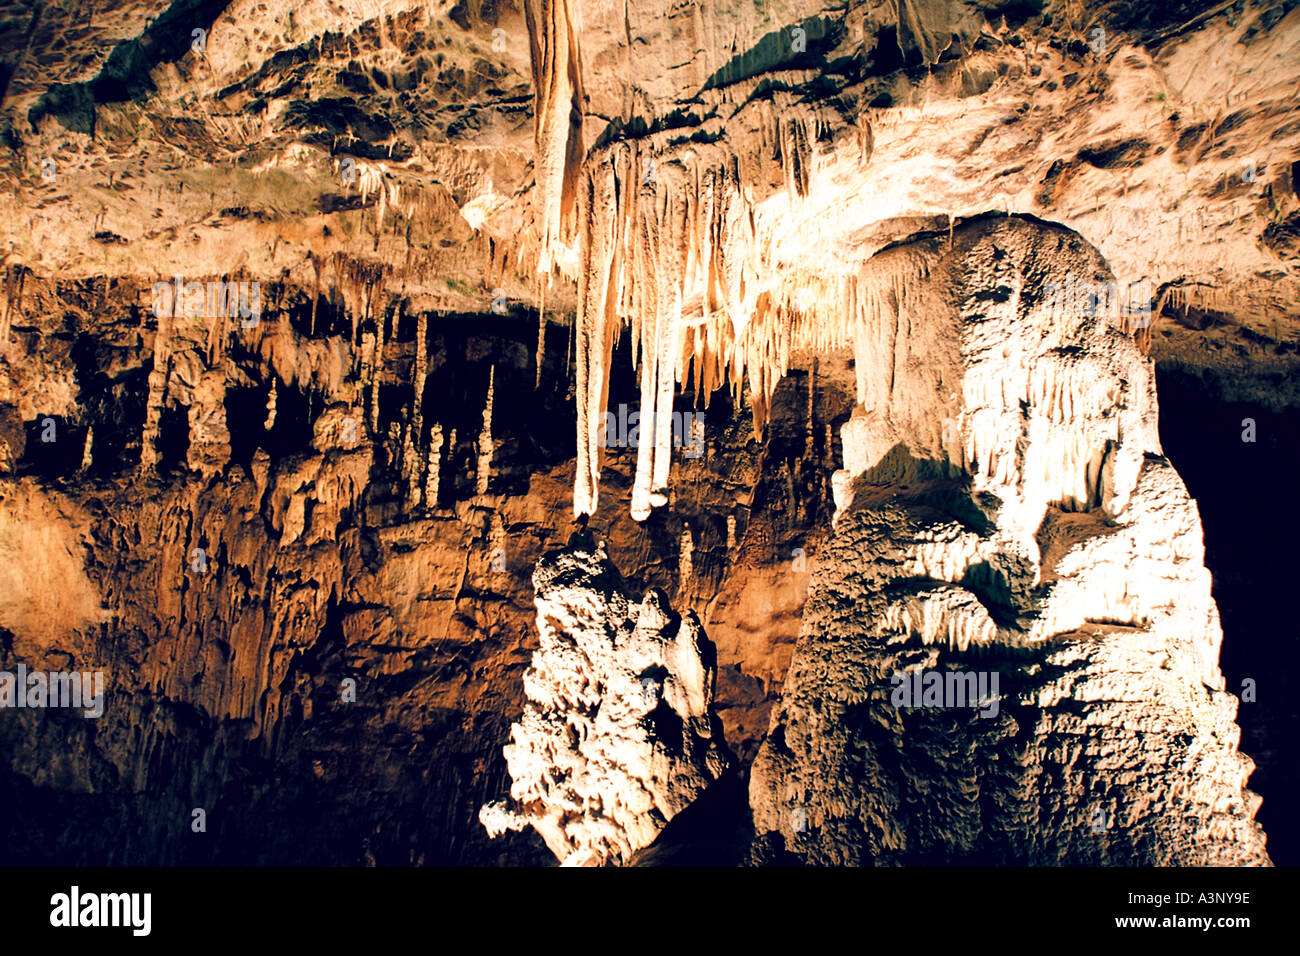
(86, 459)
(619, 733)
(496, 542)
(1103, 636)
(485, 447)
(416, 432)
(157, 389)
(685, 567)
(269, 423)
(412, 466)
(434, 464)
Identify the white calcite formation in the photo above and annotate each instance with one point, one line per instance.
(618, 735)
(485, 446)
(1006, 509)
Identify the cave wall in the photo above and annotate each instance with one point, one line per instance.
(228, 597)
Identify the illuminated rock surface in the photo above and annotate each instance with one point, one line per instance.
(1047, 541)
(479, 227)
(619, 734)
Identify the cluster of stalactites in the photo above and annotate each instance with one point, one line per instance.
(669, 251)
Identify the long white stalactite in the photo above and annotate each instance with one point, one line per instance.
(554, 29)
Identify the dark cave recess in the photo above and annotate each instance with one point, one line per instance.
(1250, 551)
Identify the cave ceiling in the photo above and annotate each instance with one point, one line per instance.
(263, 140)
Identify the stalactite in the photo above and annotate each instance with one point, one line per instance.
(14, 281)
(731, 533)
(791, 502)
(568, 350)
(663, 406)
(219, 327)
(354, 309)
(541, 341)
(676, 257)
(365, 360)
(315, 291)
(8, 310)
(809, 418)
(594, 336)
(884, 289)
(558, 105)
(379, 362)
(865, 139)
(485, 447)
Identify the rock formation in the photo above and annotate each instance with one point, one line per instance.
(1044, 545)
(619, 734)
(912, 270)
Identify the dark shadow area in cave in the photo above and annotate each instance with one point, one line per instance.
(715, 830)
(532, 428)
(54, 447)
(1242, 489)
(173, 442)
(291, 433)
(330, 318)
(113, 406)
(245, 416)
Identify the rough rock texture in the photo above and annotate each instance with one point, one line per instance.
(1047, 540)
(619, 734)
(228, 611)
(672, 206)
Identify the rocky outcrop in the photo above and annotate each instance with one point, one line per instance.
(1009, 654)
(619, 734)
